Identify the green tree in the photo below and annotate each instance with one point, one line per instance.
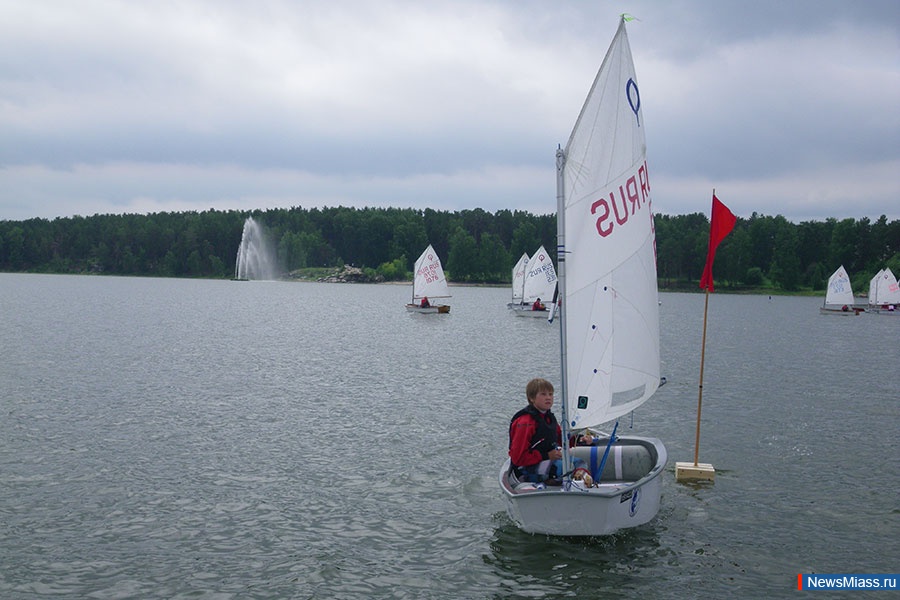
(462, 262)
(762, 240)
(733, 260)
(754, 276)
(494, 259)
(525, 239)
(394, 270)
(409, 236)
(842, 247)
(785, 268)
(15, 249)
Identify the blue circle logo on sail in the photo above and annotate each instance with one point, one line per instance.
(634, 99)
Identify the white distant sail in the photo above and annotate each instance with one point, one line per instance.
(888, 291)
(873, 288)
(429, 277)
(839, 292)
(518, 279)
(540, 278)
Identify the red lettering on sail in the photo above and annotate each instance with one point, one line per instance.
(620, 219)
(603, 231)
(645, 181)
(632, 189)
(429, 272)
(635, 194)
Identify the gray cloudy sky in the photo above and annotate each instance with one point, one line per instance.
(113, 106)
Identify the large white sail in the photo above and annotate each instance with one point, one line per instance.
(839, 292)
(518, 279)
(607, 262)
(429, 277)
(540, 278)
(609, 338)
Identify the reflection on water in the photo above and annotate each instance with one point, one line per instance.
(539, 566)
(173, 438)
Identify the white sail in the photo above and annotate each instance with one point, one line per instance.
(888, 289)
(873, 288)
(607, 263)
(609, 334)
(540, 278)
(839, 292)
(518, 279)
(429, 277)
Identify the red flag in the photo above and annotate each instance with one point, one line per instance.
(720, 224)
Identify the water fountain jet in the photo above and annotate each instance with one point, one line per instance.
(256, 256)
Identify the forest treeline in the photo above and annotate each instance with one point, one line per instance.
(474, 245)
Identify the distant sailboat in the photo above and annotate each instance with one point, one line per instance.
(839, 295)
(540, 284)
(873, 289)
(428, 283)
(884, 293)
(518, 281)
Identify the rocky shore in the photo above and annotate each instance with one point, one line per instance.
(345, 274)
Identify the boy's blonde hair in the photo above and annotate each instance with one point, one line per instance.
(537, 385)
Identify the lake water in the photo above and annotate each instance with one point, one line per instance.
(166, 438)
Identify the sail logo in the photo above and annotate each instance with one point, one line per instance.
(634, 99)
(623, 203)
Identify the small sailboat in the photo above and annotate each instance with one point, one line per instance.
(518, 281)
(884, 293)
(429, 283)
(609, 313)
(873, 289)
(540, 285)
(839, 295)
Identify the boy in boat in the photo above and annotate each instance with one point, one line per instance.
(535, 437)
(425, 302)
(538, 305)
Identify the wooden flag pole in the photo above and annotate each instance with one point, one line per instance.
(683, 470)
(700, 393)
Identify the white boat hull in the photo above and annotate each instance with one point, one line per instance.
(533, 314)
(601, 510)
(847, 311)
(433, 309)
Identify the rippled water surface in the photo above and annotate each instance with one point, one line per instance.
(216, 439)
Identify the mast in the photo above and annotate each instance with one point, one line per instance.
(561, 299)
